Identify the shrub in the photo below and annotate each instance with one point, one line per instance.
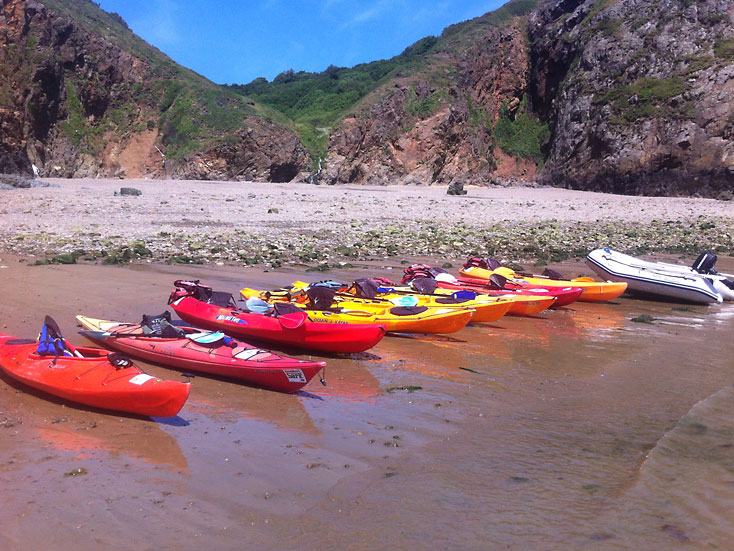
(523, 136)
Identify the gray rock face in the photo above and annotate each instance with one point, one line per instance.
(639, 94)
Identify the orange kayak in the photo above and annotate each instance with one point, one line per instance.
(593, 291)
(95, 379)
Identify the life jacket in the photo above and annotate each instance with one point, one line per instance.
(201, 292)
(476, 262)
(415, 271)
(51, 342)
(185, 288)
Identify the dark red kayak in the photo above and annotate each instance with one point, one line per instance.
(200, 306)
(204, 352)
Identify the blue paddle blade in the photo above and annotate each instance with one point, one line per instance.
(205, 338)
(464, 295)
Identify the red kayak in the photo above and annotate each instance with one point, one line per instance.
(564, 295)
(205, 352)
(91, 377)
(200, 306)
(497, 285)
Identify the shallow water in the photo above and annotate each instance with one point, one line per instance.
(574, 429)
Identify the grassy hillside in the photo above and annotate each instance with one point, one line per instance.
(189, 111)
(316, 101)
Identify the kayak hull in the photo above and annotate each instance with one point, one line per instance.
(92, 380)
(236, 360)
(432, 320)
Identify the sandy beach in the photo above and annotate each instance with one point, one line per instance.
(305, 225)
(577, 428)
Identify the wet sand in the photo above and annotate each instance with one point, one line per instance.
(573, 429)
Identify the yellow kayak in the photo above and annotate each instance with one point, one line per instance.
(396, 319)
(486, 308)
(519, 305)
(593, 291)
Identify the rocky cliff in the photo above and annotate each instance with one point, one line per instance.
(81, 95)
(627, 96)
(639, 94)
(633, 96)
(436, 126)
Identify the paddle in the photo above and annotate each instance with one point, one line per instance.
(498, 280)
(101, 335)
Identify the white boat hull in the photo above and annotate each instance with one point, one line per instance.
(650, 278)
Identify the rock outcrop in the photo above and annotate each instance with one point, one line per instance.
(437, 125)
(639, 94)
(82, 96)
(637, 97)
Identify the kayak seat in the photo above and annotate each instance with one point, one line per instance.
(451, 300)
(408, 310)
(160, 326)
(320, 297)
(284, 308)
(366, 288)
(425, 285)
(222, 299)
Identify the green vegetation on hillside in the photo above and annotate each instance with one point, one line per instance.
(496, 18)
(724, 48)
(647, 97)
(316, 101)
(522, 136)
(191, 112)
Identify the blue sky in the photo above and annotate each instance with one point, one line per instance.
(236, 41)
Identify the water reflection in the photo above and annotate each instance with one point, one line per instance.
(230, 406)
(685, 489)
(133, 439)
